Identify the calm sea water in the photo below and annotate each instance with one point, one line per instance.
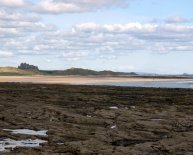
(154, 84)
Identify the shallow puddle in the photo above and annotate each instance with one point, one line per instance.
(28, 132)
(113, 127)
(7, 145)
(113, 107)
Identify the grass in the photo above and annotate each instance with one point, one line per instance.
(12, 71)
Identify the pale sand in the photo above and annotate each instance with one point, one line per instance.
(78, 79)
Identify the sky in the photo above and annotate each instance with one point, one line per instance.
(152, 36)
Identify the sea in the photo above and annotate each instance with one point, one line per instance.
(151, 84)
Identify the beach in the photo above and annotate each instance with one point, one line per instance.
(83, 79)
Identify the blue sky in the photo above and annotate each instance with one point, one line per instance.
(154, 36)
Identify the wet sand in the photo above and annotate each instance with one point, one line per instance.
(80, 79)
(98, 120)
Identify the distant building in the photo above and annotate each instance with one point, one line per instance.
(26, 66)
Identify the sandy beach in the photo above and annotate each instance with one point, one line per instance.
(80, 79)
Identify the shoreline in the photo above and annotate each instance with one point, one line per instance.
(84, 79)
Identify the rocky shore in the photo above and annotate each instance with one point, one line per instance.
(96, 120)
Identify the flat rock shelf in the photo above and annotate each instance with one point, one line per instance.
(95, 120)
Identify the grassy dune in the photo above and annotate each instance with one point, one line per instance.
(15, 71)
(72, 71)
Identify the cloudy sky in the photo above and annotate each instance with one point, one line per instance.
(154, 36)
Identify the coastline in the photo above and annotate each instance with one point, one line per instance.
(84, 79)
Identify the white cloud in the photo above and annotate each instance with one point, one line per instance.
(12, 3)
(132, 28)
(176, 19)
(8, 16)
(52, 7)
(86, 27)
(99, 41)
(73, 6)
(6, 54)
(74, 55)
(26, 34)
(17, 24)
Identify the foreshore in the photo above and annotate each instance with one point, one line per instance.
(83, 79)
(86, 120)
